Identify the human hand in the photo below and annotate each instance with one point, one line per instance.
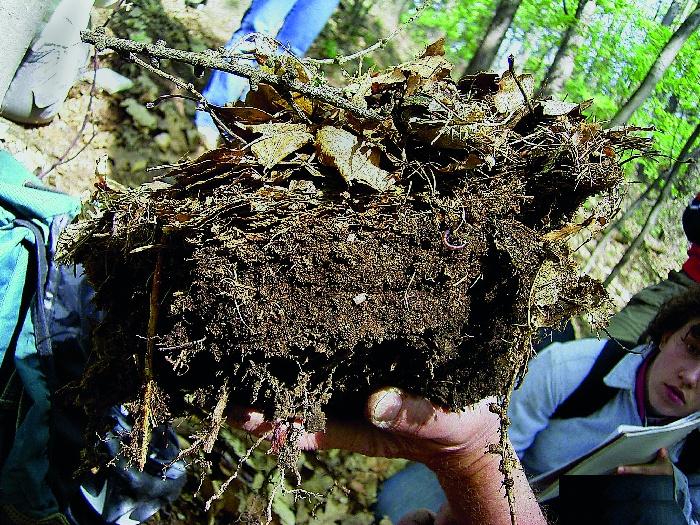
(402, 425)
(661, 466)
(453, 444)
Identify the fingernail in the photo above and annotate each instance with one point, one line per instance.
(387, 407)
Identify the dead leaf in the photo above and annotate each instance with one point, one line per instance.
(429, 67)
(383, 80)
(304, 103)
(241, 114)
(563, 233)
(413, 83)
(356, 163)
(278, 140)
(267, 99)
(437, 48)
(509, 98)
(472, 161)
(212, 162)
(557, 108)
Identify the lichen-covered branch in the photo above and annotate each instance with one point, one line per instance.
(216, 60)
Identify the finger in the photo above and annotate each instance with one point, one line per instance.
(418, 517)
(249, 420)
(404, 414)
(647, 470)
(662, 455)
(357, 436)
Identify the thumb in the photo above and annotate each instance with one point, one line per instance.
(662, 454)
(394, 410)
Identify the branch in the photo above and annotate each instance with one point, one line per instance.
(217, 60)
(379, 44)
(64, 159)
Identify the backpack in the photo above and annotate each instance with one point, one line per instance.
(45, 322)
(30, 218)
(592, 394)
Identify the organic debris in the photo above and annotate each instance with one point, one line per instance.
(414, 236)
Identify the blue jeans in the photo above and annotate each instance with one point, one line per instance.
(604, 500)
(294, 23)
(415, 487)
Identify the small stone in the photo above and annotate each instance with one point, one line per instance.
(164, 140)
(360, 298)
(102, 167)
(141, 116)
(138, 166)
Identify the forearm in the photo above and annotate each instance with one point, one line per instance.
(476, 494)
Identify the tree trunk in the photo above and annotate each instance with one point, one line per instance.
(563, 65)
(489, 45)
(672, 13)
(605, 239)
(663, 61)
(660, 200)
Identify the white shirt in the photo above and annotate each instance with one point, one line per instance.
(543, 444)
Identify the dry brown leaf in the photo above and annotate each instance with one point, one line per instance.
(563, 233)
(278, 140)
(429, 67)
(304, 103)
(413, 83)
(266, 98)
(342, 150)
(556, 108)
(437, 48)
(509, 98)
(381, 81)
(242, 114)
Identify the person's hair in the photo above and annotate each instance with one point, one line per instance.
(674, 313)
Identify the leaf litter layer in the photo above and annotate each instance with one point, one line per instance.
(321, 255)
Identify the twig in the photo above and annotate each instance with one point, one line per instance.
(198, 97)
(63, 159)
(184, 345)
(511, 68)
(241, 461)
(379, 44)
(143, 425)
(217, 418)
(408, 288)
(215, 60)
(503, 448)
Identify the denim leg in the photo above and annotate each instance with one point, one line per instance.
(415, 487)
(304, 23)
(263, 16)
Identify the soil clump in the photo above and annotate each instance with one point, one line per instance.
(321, 254)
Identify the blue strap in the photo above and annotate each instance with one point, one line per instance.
(40, 321)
